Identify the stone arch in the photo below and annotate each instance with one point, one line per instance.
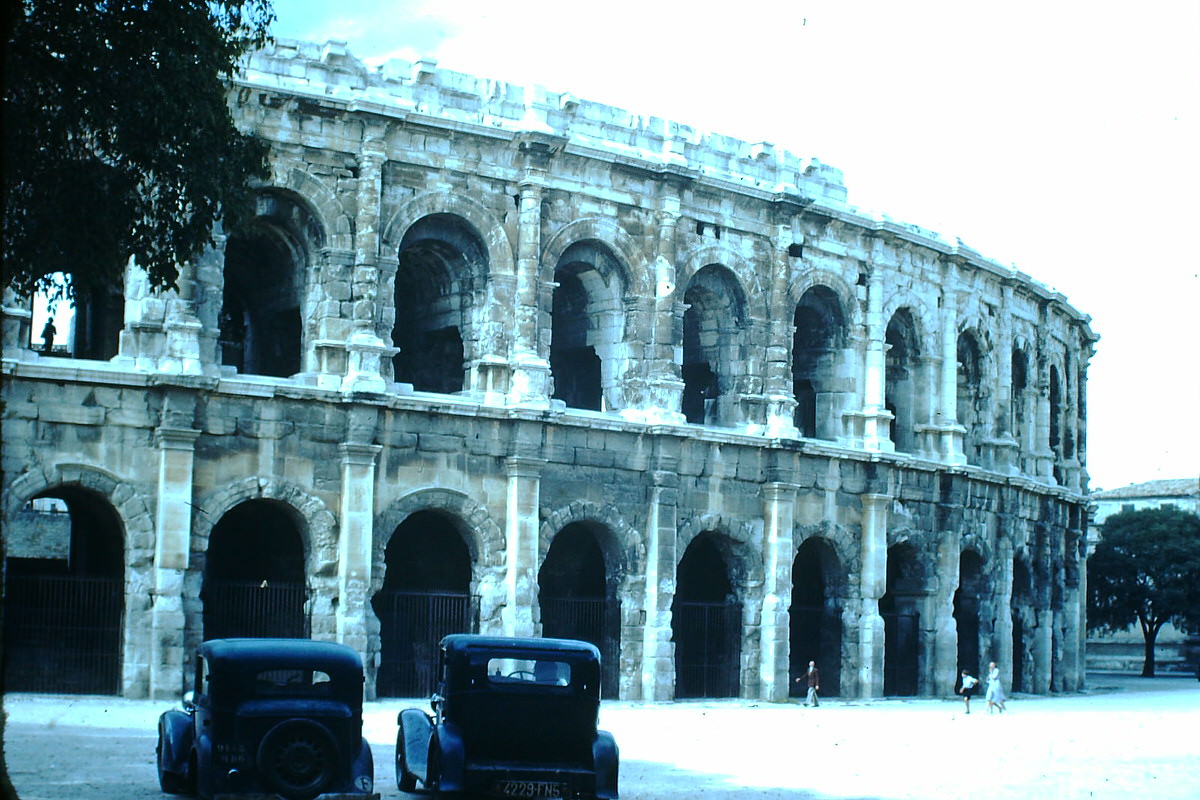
(336, 223)
(715, 368)
(137, 529)
(741, 271)
(636, 271)
(483, 537)
(614, 622)
(819, 356)
(907, 382)
(974, 403)
(820, 594)
(746, 565)
(500, 254)
(845, 293)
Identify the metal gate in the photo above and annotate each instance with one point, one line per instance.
(63, 634)
(415, 623)
(586, 620)
(900, 638)
(708, 646)
(255, 608)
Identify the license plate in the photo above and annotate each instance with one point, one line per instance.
(530, 789)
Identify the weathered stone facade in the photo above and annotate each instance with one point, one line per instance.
(693, 381)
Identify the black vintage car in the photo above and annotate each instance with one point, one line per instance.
(269, 717)
(512, 718)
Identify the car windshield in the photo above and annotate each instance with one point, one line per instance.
(546, 672)
(292, 683)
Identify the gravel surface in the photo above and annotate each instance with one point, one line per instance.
(1123, 738)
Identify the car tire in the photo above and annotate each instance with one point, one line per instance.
(297, 759)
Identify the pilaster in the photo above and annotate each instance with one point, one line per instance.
(658, 649)
(356, 543)
(873, 584)
(523, 500)
(172, 545)
(779, 501)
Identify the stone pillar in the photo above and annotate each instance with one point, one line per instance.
(16, 317)
(870, 427)
(1042, 452)
(950, 433)
(872, 585)
(172, 546)
(944, 669)
(365, 349)
(521, 538)
(531, 367)
(356, 543)
(779, 513)
(1001, 650)
(658, 650)
(664, 388)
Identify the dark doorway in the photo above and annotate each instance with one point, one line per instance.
(64, 596)
(901, 621)
(260, 328)
(426, 595)
(1021, 607)
(573, 361)
(441, 258)
(900, 378)
(971, 587)
(706, 624)
(254, 581)
(818, 335)
(815, 618)
(575, 600)
(712, 357)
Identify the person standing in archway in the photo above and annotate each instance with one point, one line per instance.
(48, 333)
(995, 692)
(813, 677)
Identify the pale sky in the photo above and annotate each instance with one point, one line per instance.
(1058, 136)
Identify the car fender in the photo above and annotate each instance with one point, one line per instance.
(204, 773)
(362, 772)
(451, 758)
(175, 739)
(606, 758)
(414, 737)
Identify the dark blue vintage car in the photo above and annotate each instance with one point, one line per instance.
(512, 718)
(269, 716)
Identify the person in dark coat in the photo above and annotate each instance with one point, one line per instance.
(813, 677)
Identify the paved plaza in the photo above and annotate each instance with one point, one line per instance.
(1124, 737)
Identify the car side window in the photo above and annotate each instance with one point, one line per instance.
(292, 683)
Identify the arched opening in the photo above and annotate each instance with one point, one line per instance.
(901, 378)
(819, 331)
(261, 331)
(972, 586)
(87, 325)
(706, 623)
(587, 327)
(576, 601)
(254, 581)
(970, 398)
(711, 353)
(64, 600)
(1019, 387)
(899, 608)
(815, 617)
(441, 260)
(426, 594)
(1022, 613)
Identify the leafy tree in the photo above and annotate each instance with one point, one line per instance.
(1146, 567)
(118, 138)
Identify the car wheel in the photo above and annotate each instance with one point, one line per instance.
(297, 759)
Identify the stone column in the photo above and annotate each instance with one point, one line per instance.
(872, 585)
(172, 546)
(356, 543)
(950, 445)
(531, 367)
(1001, 650)
(521, 539)
(365, 349)
(658, 650)
(1004, 447)
(944, 669)
(871, 429)
(664, 388)
(779, 513)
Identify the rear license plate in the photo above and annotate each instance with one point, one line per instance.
(530, 789)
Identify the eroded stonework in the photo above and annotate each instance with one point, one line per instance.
(495, 343)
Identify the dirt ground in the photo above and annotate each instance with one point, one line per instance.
(1124, 738)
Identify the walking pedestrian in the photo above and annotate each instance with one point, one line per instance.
(995, 692)
(813, 677)
(969, 685)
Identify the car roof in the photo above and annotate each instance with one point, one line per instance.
(281, 653)
(465, 643)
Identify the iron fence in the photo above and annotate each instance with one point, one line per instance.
(589, 620)
(255, 608)
(707, 648)
(413, 623)
(62, 634)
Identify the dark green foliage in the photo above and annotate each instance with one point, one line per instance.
(118, 139)
(1146, 568)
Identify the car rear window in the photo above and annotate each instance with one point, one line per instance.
(545, 672)
(292, 683)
